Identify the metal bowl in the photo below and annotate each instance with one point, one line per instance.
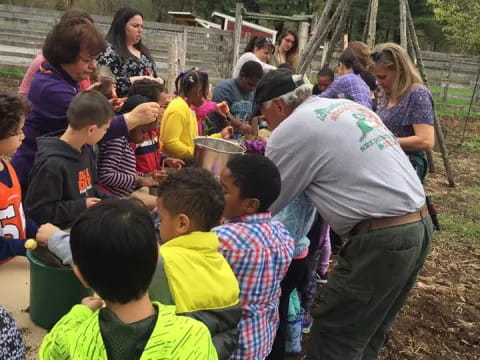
(213, 154)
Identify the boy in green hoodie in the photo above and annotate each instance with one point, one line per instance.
(115, 252)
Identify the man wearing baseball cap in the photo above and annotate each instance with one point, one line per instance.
(363, 185)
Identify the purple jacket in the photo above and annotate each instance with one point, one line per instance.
(350, 86)
(50, 93)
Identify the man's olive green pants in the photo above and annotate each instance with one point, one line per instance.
(375, 273)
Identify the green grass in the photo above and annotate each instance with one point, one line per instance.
(442, 110)
(452, 91)
(12, 73)
(466, 231)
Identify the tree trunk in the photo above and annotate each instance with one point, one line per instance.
(403, 23)
(372, 23)
(337, 35)
(237, 34)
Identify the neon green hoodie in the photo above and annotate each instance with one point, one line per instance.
(77, 336)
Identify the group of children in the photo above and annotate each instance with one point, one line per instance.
(219, 257)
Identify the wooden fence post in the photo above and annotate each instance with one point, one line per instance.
(182, 53)
(303, 30)
(314, 43)
(318, 38)
(447, 82)
(172, 63)
(237, 34)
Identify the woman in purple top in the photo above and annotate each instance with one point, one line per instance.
(349, 84)
(407, 106)
(70, 51)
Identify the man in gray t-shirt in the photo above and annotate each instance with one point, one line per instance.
(238, 94)
(351, 166)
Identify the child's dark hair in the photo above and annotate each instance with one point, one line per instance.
(327, 72)
(369, 79)
(12, 107)
(114, 246)
(195, 193)
(285, 66)
(132, 102)
(185, 82)
(350, 61)
(259, 42)
(251, 70)
(89, 108)
(257, 177)
(151, 89)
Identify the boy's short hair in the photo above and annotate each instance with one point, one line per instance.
(257, 177)
(12, 107)
(151, 89)
(89, 108)
(195, 193)
(115, 248)
(327, 72)
(252, 70)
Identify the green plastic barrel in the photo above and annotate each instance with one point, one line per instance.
(53, 292)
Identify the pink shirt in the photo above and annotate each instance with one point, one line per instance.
(202, 111)
(32, 70)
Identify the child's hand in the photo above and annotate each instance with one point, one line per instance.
(92, 302)
(174, 163)
(92, 201)
(227, 133)
(146, 181)
(45, 232)
(159, 175)
(223, 109)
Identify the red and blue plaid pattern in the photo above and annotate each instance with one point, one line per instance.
(259, 250)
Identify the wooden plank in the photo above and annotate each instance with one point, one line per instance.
(237, 34)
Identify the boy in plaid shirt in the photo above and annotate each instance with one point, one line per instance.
(258, 249)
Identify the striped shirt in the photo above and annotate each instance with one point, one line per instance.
(352, 87)
(116, 167)
(259, 250)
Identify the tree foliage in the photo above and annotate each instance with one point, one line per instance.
(460, 19)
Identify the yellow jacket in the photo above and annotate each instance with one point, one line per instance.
(178, 129)
(197, 279)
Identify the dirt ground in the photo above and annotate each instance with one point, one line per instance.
(442, 318)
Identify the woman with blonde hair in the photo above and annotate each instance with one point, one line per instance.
(406, 106)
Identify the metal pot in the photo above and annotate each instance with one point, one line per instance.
(213, 154)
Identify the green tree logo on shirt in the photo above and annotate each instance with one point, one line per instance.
(365, 124)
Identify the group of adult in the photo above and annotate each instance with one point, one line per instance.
(364, 172)
(69, 58)
(335, 151)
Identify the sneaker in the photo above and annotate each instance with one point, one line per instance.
(321, 278)
(307, 324)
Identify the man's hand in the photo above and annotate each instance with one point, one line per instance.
(45, 232)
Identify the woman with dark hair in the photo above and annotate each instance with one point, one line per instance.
(258, 49)
(40, 59)
(126, 56)
(70, 50)
(287, 50)
(349, 84)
